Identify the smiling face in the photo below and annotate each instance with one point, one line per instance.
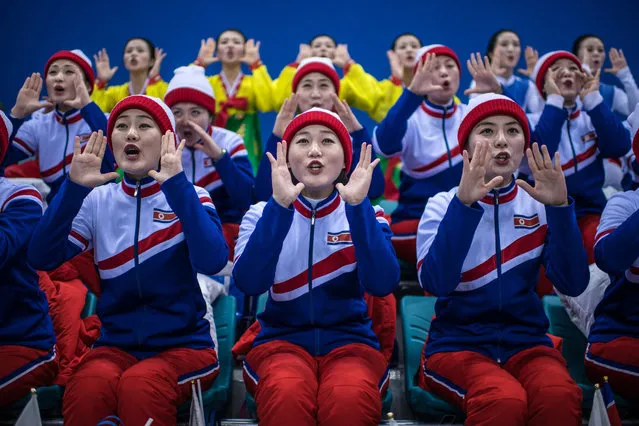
(506, 140)
(592, 53)
(323, 46)
(567, 78)
(136, 142)
(314, 90)
(60, 80)
(316, 158)
(230, 47)
(509, 48)
(137, 56)
(445, 74)
(188, 111)
(406, 48)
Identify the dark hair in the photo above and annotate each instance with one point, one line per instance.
(149, 44)
(235, 30)
(576, 45)
(402, 35)
(493, 40)
(310, 43)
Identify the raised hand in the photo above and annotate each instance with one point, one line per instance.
(82, 97)
(618, 61)
(342, 57)
(359, 182)
(85, 165)
(346, 114)
(284, 192)
(396, 67)
(551, 87)
(590, 83)
(207, 144)
(170, 159)
(103, 66)
(206, 55)
(496, 66)
(285, 115)
(550, 183)
(473, 186)
(251, 52)
(28, 100)
(532, 56)
(159, 57)
(305, 52)
(422, 83)
(485, 80)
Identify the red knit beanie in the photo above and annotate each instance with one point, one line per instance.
(545, 62)
(316, 64)
(437, 49)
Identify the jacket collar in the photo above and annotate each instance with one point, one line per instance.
(439, 111)
(71, 116)
(323, 208)
(505, 194)
(148, 186)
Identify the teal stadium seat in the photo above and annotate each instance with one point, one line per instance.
(416, 313)
(216, 397)
(573, 350)
(251, 407)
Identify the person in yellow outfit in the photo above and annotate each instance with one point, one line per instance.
(238, 96)
(358, 89)
(142, 59)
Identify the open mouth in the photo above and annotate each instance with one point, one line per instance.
(567, 84)
(502, 158)
(315, 167)
(446, 84)
(410, 58)
(132, 152)
(58, 89)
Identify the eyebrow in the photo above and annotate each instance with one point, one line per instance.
(328, 131)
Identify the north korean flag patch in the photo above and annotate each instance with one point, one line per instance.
(208, 162)
(526, 222)
(339, 238)
(589, 136)
(163, 216)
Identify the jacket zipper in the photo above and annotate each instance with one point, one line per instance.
(66, 146)
(574, 153)
(450, 159)
(310, 282)
(193, 167)
(136, 259)
(498, 261)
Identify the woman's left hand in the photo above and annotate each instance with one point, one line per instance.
(590, 83)
(346, 114)
(170, 159)
(251, 52)
(485, 80)
(159, 57)
(82, 97)
(359, 182)
(550, 183)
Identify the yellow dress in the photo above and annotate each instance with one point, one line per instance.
(107, 96)
(237, 105)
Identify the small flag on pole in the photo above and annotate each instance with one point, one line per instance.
(197, 409)
(604, 410)
(30, 415)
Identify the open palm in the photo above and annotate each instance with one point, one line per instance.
(284, 191)
(86, 164)
(359, 182)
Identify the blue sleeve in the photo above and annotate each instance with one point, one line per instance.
(14, 155)
(201, 225)
(263, 188)
(377, 182)
(16, 123)
(254, 270)
(564, 255)
(50, 246)
(549, 128)
(614, 139)
(377, 266)
(95, 118)
(17, 223)
(237, 176)
(441, 270)
(390, 132)
(618, 250)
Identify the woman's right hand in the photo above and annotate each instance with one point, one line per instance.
(284, 191)
(395, 65)
(103, 66)
(532, 56)
(285, 115)
(422, 83)
(28, 100)
(206, 55)
(86, 164)
(473, 186)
